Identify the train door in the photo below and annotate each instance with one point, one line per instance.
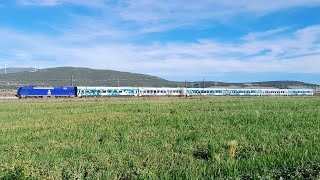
(24, 93)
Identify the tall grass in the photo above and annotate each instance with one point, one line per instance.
(220, 137)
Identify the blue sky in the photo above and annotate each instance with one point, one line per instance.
(222, 40)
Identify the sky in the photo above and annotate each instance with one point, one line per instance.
(218, 40)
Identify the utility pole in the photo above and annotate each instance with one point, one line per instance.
(203, 83)
(35, 68)
(203, 87)
(72, 80)
(118, 83)
(5, 69)
(186, 91)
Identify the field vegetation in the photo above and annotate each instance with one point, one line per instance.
(176, 138)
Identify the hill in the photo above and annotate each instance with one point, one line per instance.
(15, 70)
(68, 76)
(72, 76)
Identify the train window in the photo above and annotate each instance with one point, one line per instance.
(109, 91)
(104, 91)
(120, 91)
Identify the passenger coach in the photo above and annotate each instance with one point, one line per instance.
(87, 91)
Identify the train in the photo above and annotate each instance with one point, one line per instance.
(90, 91)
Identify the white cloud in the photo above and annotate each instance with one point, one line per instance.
(162, 15)
(170, 59)
(88, 3)
(40, 2)
(150, 11)
(265, 34)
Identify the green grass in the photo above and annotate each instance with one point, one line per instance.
(161, 138)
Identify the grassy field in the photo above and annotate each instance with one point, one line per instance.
(219, 137)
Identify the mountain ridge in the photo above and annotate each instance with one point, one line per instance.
(79, 76)
(15, 70)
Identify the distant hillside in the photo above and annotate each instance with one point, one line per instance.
(277, 84)
(15, 70)
(67, 76)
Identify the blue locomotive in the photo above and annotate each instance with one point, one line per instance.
(31, 91)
